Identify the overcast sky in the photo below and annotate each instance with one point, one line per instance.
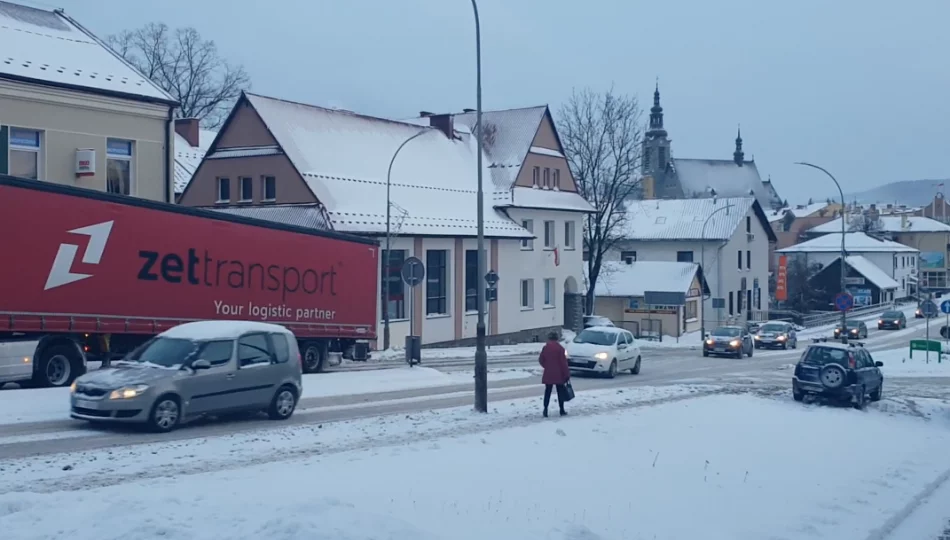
(857, 86)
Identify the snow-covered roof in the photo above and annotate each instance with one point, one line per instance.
(529, 197)
(187, 157)
(683, 219)
(854, 242)
(310, 216)
(625, 280)
(49, 47)
(204, 330)
(871, 272)
(698, 176)
(800, 211)
(890, 224)
(509, 136)
(344, 158)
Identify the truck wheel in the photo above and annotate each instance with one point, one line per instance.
(59, 365)
(283, 404)
(313, 357)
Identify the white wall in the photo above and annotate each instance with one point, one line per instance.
(538, 263)
(514, 265)
(722, 273)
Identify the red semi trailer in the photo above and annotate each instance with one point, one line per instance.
(87, 276)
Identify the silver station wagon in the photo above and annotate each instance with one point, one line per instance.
(193, 370)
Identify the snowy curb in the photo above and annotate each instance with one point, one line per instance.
(85, 470)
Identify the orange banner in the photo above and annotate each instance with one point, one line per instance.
(781, 284)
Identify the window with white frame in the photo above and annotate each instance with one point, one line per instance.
(536, 176)
(527, 243)
(436, 277)
(569, 235)
(557, 178)
(527, 294)
(549, 292)
(247, 189)
(224, 190)
(25, 153)
(548, 234)
(269, 188)
(119, 155)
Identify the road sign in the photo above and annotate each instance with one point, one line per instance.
(413, 271)
(491, 294)
(844, 301)
(945, 306)
(491, 278)
(657, 298)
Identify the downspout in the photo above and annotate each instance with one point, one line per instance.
(169, 156)
(719, 281)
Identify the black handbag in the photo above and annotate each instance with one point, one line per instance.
(568, 391)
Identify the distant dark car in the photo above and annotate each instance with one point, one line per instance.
(728, 341)
(840, 372)
(892, 320)
(776, 334)
(856, 330)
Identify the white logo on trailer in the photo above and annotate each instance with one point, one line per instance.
(61, 273)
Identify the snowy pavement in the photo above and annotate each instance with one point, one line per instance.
(624, 465)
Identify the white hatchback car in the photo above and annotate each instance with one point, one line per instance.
(604, 350)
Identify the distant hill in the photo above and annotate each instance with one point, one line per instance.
(909, 192)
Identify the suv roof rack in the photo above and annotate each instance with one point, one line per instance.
(820, 340)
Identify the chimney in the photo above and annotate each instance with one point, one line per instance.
(903, 221)
(424, 114)
(444, 122)
(188, 129)
(468, 110)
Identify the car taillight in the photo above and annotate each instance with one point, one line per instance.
(851, 362)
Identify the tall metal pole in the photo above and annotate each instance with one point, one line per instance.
(702, 250)
(481, 357)
(844, 253)
(385, 265)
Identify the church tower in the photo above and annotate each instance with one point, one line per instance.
(656, 145)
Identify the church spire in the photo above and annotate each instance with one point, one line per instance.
(656, 114)
(738, 156)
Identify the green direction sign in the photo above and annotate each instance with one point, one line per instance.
(925, 345)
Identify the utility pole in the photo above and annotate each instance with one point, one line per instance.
(481, 356)
(702, 264)
(386, 262)
(844, 253)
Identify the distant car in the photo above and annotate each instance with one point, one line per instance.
(892, 320)
(926, 309)
(604, 350)
(193, 370)
(856, 330)
(776, 334)
(596, 320)
(840, 372)
(728, 341)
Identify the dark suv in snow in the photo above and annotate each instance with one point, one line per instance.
(840, 372)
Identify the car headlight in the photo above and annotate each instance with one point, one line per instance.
(897, 322)
(601, 356)
(782, 338)
(72, 388)
(880, 321)
(758, 337)
(129, 392)
(854, 330)
(734, 343)
(710, 342)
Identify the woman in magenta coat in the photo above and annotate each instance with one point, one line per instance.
(556, 371)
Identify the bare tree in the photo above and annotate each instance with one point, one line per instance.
(186, 66)
(602, 135)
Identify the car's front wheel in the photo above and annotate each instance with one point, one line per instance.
(612, 370)
(165, 414)
(705, 353)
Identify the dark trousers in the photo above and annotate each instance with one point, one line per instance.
(560, 395)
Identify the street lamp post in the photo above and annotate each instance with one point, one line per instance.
(386, 261)
(844, 253)
(702, 250)
(481, 357)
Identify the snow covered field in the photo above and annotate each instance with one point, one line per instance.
(898, 363)
(43, 404)
(626, 465)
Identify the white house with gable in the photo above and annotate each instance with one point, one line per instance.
(327, 168)
(729, 237)
(895, 260)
